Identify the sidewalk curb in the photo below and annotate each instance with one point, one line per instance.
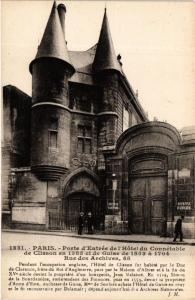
(93, 237)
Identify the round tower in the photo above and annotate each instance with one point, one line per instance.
(106, 70)
(50, 116)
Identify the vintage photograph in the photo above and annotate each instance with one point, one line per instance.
(98, 149)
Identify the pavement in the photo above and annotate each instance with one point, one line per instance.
(128, 238)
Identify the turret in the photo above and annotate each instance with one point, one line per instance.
(105, 57)
(50, 118)
(106, 70)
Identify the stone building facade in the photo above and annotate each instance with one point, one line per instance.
(84, 143)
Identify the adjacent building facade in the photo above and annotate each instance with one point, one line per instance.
(84, 143)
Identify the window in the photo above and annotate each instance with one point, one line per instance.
(52, 190)
(87, 146)
(53, 133)
(80, 145)
(81, 131)
(134, 120)
(52, 139)
(84, 139)
(102, 137)
(125, 119)
(81, 102)
(54, 123)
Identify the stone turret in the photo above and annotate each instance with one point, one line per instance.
(105, 57)
(50, 118)
(106, 70)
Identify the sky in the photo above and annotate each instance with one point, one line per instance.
(156, 40)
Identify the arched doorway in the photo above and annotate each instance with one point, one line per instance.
(81, 193)
(78, 202)
(147, 151)
(148, 194)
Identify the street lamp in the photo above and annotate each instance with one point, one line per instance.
(114, 188)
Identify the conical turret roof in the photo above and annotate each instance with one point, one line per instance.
(53, 43)
(105, 57)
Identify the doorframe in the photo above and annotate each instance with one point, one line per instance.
(146, 155)
(83, 171)
(66, 200)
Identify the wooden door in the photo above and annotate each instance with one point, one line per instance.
(147, 205)
(157, 199)
(137, 205)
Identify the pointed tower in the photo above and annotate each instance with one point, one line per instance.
(50, 119)
(105, 57)
(107, 70)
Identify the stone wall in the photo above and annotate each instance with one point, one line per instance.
(30, 196)
(181, 190)
(16, 124)
(79, 158)
(43, 153)
(15, 139)
(50, 82)
(127, 100)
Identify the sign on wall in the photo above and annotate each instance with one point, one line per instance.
(184, 205)
(184, 173)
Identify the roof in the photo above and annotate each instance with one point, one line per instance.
(82, 61)
(188, 135)
(13, 89)
(99, 57)
(53, 43)
(105, 57)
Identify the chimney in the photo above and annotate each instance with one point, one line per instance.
(62, 12)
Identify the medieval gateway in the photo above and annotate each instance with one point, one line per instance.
(84, 143)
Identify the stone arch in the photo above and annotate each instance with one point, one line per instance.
(79, 172)
(145, 151)
(81, 192)
(149, 134)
